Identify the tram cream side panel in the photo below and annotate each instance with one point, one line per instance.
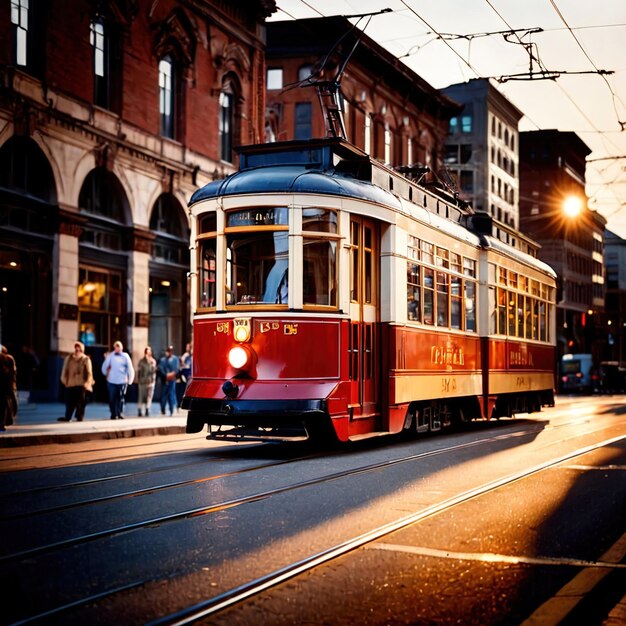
(519, 381)
(417, 386)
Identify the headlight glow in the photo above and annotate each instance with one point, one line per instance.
(238, 357)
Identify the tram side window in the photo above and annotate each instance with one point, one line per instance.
(542, 322)
(512, 314)
(470, 306)
(413, 299)
(207, 273)
(456, 311)
(493, 312)
(501, 315)
(355, 274)
(528, 317)
(429, 296)
(442, 299)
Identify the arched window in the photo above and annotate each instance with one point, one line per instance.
(24, 169)
(168, 222)
(168, 274)
(102, 196)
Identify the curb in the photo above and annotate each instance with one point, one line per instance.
(15, 441)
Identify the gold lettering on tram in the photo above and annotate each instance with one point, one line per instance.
(522, 357)
(223, 327)
(265, 327)
(450, 355)
(448, 385)
(290, 329)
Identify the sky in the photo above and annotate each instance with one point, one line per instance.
(576, 36)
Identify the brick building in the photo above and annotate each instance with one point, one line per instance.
(111, 114)
(389, 111)
(552, 172)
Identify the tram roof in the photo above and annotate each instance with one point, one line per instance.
(324, 166)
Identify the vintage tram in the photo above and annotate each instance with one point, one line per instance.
(334, 296)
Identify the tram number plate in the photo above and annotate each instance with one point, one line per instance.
(448, 385)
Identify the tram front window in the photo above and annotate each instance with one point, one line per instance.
(256, 268)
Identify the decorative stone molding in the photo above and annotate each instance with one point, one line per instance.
(142, 239)
(71, 222)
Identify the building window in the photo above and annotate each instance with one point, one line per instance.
(454, 125)
(303, 121)
(387, 144)
(466, 124)
(275, 78)
(467, 181)
(19, 17)
(368, 135)
(305, 73)
(226, 125)
(105, 78)
(166, 96)
(97, 40)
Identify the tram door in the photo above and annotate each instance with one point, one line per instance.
(364, 326)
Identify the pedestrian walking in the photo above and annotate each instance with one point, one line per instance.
(146, 378)
(185, 373)
(77, 378)
(8, 389)
(119, 371)
(169, 365)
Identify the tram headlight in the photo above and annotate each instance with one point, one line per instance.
(239, 357)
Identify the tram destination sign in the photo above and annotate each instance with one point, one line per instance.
(259, 217)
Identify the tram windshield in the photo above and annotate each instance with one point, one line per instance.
(254, 270)
(257, 268)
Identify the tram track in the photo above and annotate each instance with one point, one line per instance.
(231, 597)
(95, 481)
(236, 502)
(254, 587)
(148, 490)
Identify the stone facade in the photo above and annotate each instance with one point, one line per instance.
(112, 114)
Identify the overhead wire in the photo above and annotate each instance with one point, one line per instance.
(567, 95)
(613, 94)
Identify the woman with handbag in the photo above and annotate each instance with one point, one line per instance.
(168, 368)
(146, 377)
(77, 378)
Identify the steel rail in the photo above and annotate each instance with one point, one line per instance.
(238, 594)
(228, 504)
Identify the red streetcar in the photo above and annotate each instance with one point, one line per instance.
(336, 297)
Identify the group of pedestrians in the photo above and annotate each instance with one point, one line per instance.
(172, 371)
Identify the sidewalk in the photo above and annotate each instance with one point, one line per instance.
(37, 424)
